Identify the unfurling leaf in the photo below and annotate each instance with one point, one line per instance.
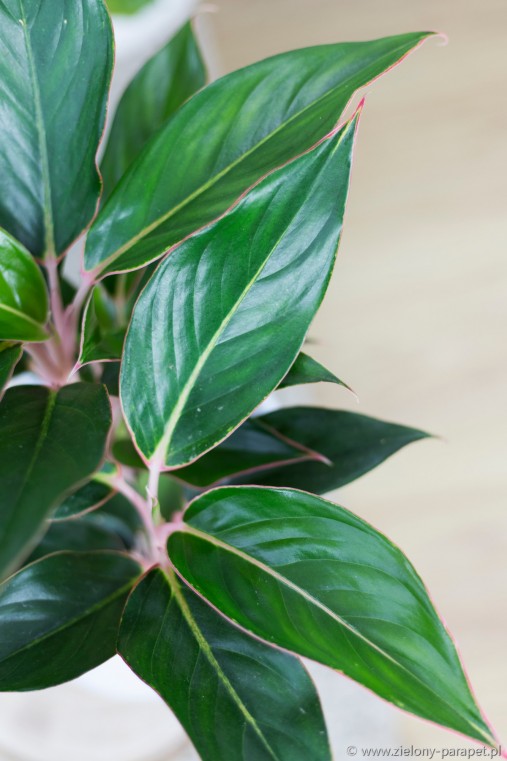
(198, 359)
(311, 577)
(101, 336)
(235, 696)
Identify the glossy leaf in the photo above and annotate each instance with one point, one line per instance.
(101, 335)
(84, 534)
(200, 351)
(114, 525)
(87, 498)
(55, 67)
(240, 128)
(353, 445)
(51, 441)
(60, 617)
(235, 696)
(9, 357)
(311, 577)
(308, 370)
(168, 79)
(250, 450)
(23, 294)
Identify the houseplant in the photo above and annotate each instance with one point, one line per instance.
(144, 509)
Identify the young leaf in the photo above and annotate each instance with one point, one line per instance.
(23, 294)
(168, 79)
(352, 444)
(251, 449)
(51, 441)
(59, 617)
(311, 577)
(55, 67)
(308, 370)
(241, 127)
(236, 697)
(198, 360)
(101, 336)
(9, 357)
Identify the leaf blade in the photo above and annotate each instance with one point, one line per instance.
(75, 602)
(235, 696)
(51, 441)
(63, 60)
(287, 230)
(164, 83)
(23, 294)
(9, 358)
(327, 586)
(307, 370)
(352, 444)
(302, 92)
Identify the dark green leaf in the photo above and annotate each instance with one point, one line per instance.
(353, 445)
(240, 128)
(311, 577)
(51, 441)
(250, 450)
(9, 358)
(168, 79)
(101, 336)
(308, 370)
(55, 67)
(87, 498)
(198, 360)
(59, 617)
(23, 294)
(236, 697)
(84, 534)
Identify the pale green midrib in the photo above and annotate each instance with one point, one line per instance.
(313, 601)
(206, 649)
(163, 445)
(104, 264)
(22, 315)
(49, 237)
(72, 621)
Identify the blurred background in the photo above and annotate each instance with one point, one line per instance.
(415, 321)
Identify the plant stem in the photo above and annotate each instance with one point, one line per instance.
(55, 294)
(143, 510)
(153, 481)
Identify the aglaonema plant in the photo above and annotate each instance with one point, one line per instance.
(211, 235)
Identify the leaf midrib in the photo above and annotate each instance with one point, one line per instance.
(159, 454)
(342, 622)
(104, 264)
(208, 653)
